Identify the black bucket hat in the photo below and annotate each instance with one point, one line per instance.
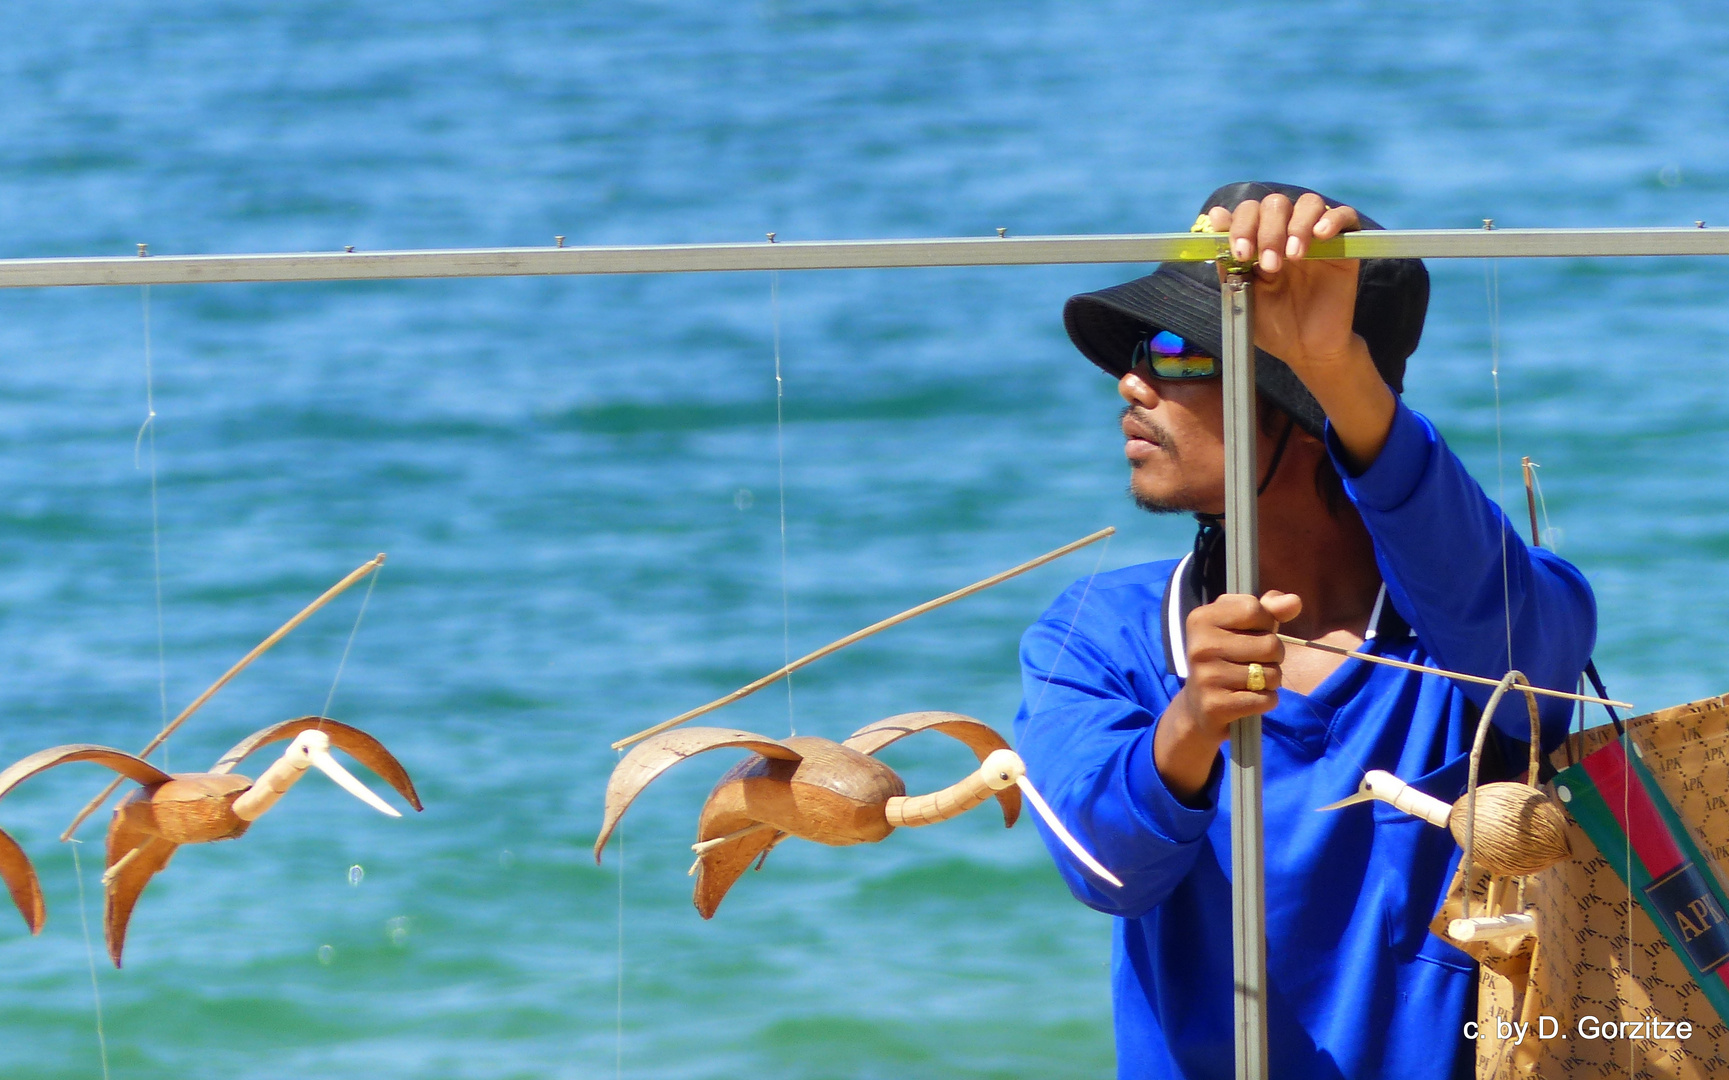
(1392, 298)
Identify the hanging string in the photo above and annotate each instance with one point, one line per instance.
(1542, 504)
(780, 464)
(1535, 494)
(1627, 861)
(355, 629)
(859, 635)
(1064, 647)
(90, 953)
(259, 650)
(1492, 297)
(1492, 288)
(618, 1032)
(149, 428)
(1354, 759)
(1492, 285)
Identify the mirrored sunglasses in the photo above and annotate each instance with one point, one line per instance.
(1170, 356)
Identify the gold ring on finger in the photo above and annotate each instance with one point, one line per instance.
(1257, 677)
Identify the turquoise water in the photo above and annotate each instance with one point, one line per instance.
(576, 480)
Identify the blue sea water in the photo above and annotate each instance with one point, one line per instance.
(577, 480)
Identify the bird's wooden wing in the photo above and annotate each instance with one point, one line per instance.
(125, 764)
(720, 866)
(979, 736)
(356, 743)
(651, 757)
(21, 882)
(15, 866)
(145, 855)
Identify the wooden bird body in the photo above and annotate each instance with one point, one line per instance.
(1519, 830)
(832, 794)
(819, 790)
(188, 808)
(168, 810)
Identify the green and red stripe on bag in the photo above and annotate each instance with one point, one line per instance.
(1619, 805)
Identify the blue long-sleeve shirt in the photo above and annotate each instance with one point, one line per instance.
(1358, 987)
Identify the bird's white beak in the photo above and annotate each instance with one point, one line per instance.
(1382, 786)
(1063, 834)
(1365, 793)
(315, 745)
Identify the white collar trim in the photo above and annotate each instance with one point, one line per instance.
(1174, 614)
(1375, 615)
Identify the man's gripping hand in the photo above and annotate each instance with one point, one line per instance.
(1224, 638)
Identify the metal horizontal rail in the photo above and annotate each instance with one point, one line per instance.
(834, 255)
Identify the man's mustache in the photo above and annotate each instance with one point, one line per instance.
(1144, 420)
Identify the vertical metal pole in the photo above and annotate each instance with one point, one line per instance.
(1243, 575)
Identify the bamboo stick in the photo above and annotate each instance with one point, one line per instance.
(703, 847)
(1478, 679)
(263, 647)
(859, 635)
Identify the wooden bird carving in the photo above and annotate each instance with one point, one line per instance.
(1519, 830)
(818, 789)
(166, 810)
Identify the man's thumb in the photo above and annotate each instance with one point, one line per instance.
(1282, 606)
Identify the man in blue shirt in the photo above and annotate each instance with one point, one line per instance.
(1372, 537)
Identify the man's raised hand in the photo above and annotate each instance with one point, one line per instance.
(1303, 309)
(1304, 312)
